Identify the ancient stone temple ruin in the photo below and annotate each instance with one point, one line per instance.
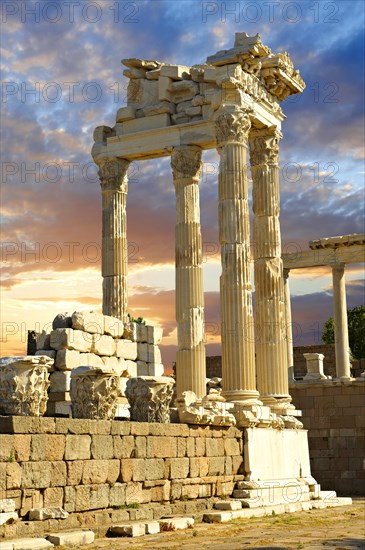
(246, 443)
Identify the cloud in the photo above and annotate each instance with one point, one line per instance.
(321, 144)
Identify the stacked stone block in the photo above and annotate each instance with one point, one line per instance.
(334, 415)
(84, 465)
(91, 339)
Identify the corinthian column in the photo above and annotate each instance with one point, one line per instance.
(238, 355)
(190, 360)
(288, 326)
(340, 318)
(114, 188)
(271, 349)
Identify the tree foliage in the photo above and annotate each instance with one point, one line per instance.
(356, 326)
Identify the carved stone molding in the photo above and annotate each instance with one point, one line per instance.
(212, 410)
(264, 146)
(186, 162)
(94, 393)
(232, 125)
(149, 398)
(113, 175)
(24, 384)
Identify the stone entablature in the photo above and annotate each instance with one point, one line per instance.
(231, 103)
(335, 252)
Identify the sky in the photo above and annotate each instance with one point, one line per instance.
(62, 77)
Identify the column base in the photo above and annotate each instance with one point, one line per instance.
(277, 403)
(247, 398)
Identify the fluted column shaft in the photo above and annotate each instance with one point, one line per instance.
(340, 319)
(288, 326)
(237, 324)
(271, 349)
(114, 188)
(190, 360)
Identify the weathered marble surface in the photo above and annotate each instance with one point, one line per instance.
(23, 384)
(149, 398)
(94, 393)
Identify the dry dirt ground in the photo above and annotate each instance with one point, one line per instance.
(341, 528)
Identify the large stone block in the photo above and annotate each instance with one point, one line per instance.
(37, 543)
(146, 123)
(126, 349)
(142, 367)
(179, 468)
(214, 447)
(43, 340)
(88, 321)
(77, 447)
(91, 359)
(91, 497)
(133, 469)
(14, 475)
(154, 334)
(14, 447)
(67, 338)
(123, 446)
(75, 470)
(60, 381)
(67, 359)
(117, 494)
(142, 332)
(142, 352)
(154, 354)
(154, 468)
(134, 493)
(94, 471)
(31, 498)
(72, 538)
(161, 447)
(131, 367)
(58, 473)
(35, 475)
(53, 497)
(103, 345)
(102, 447)
(47, 447)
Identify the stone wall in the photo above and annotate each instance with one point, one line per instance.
(329, 362)
(84, 465)
(334, 414)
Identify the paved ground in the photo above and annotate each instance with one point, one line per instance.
(341, 528)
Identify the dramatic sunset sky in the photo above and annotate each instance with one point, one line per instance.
(62, 76)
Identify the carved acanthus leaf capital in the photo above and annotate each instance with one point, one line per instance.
(186, 162)
(113, 175)
(264, 147)
(232, 126)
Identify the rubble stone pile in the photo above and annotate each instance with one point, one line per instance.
(90, 339)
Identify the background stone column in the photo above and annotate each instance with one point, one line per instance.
(190, 360)
(288, 326)
(340, 318)
(237, 325)
(114, 188)
(271, 345)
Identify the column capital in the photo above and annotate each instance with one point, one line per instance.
(232, 125)
(264, 146)
(338, 269)
(186, 162)
(113, 174)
